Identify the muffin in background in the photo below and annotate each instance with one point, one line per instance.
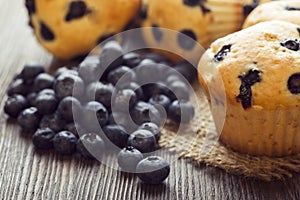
(202, 21)
(288, 10)
(254, 77)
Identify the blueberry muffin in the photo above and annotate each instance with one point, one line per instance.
(252, 78)
(72, 28)
(288, 10)
(202, 21)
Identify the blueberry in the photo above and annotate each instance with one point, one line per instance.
(30, 71)
(132, 59)
(174, 77)
(43, 138)
(179, 91)
(54, 122)
(187, 70)
(64, 142)
(155, 88)
(47, 92)
(293, 83)
(153, 170)
(75, 128)
(29, 119)
(143, 140)
(122, 119)
(68, 85)
(14, 105)
(291, 44)
(90, 142)
(136, 88)
(18, 87)
(161, 100)
(66, 70)
(111, 56)
(31, 97)
(222, 53)
(46, 103)
(76, 10)
(181, 111)
(68, 107)
(144, 112)
(116, 134)
(153, 128)
(147, 72)
(124, 100)
(128, 158)
(94, 110)
(46, 32)
(121, 75)
(43, 81)
(89, 69)
(100, 92)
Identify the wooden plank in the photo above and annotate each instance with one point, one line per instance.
(29, 174)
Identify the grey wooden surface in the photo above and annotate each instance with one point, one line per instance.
(28, 174)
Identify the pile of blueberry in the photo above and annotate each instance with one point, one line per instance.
(130, 97)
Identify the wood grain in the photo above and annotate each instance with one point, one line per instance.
(29, 174)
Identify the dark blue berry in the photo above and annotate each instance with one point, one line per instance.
(222, 53)
(30, 71)
(90, 145)
(18, 87)
(68, 107)
(31, 98)
(95, 114)
(43, 138)
(155, 88)
(160, 100)
(116, 134)
(153, 170)
(179, 91)
(136, 88)
(181, 111)
(153, 128)
(64, 142)
(46, 103)
(121, 75)
(68, 85)
(144, 112)
(14, 105)
(132, 59)
(293, 83)
(29, 119)
(76, 10)
(100, 92)
(89, 69)
(147, 72)
(43, 81)
(75, 128)
(128, 158)
(111, 56)
(124, 100)
(291, 45)
(54, 122)
(143, 140)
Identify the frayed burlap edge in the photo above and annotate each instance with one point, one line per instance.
(199, 142)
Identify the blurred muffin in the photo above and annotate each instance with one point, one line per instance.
(70, 29)
(288, 10)
(253, 76)
(202, 21)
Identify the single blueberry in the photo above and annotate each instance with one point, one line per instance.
(76, 10)
(111, 56)
(128, 158)
(160, 100)
(100, 92)
(43, 138)
(68, 107)
(89, 69)
(30, 71)
(116, 134)
(222, 53)
(132, 59)
(181, 111)
(153, 128)
(143, 140)
(54, 122)
(90, 142)
(95, 114)
(124, 100)
(43, 81)
(18, 87)
(121, 75)
(68, 85)
(153, 170)
(14, 105)
(144, 112)
(64, 142)
(29, 119)
(136, 88)
(179, 91)
(46, 103)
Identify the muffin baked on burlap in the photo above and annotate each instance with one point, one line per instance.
(288, 10)
(259, 70)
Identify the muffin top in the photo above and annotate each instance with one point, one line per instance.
(259, 66)
(288, 10)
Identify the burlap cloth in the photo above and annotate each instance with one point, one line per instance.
(199, 142)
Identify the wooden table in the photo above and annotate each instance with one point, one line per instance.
(26, 173)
